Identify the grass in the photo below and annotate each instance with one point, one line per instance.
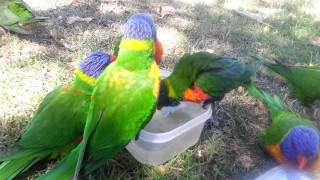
(32, 66)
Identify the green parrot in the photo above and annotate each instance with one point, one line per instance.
(303, 81)
(290, 139)
(123, 102)
(203, 77)
(17, 17)
(59, 121)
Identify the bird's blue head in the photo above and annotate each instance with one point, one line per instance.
(140, 26)
(95, 63)
(301, 146)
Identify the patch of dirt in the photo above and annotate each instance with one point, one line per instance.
(240, 119)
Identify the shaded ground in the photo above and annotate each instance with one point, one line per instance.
(32, 66)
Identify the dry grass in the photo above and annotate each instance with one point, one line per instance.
(32, 66)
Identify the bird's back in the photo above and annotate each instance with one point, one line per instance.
(220, 75)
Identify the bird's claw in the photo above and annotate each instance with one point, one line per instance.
(205, 104)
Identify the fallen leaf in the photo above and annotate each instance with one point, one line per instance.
(161, 169)
(315, 41)
(105, 8)
(72, 19)
(240, 89)
(246, 161)
(167, 11)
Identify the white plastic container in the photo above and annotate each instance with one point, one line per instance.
(285, 173)
(170, 132)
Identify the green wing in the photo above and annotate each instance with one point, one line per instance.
(14, 12)
(58, 122)
(16, 16)
(303, 81)
(64, 114)
(219, 76)
(280, 127)
(124, 115)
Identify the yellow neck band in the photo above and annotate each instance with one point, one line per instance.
(88, 79)
(136, 45)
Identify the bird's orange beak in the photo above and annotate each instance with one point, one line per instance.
(113, 58)
(158, 51)
(302, 161)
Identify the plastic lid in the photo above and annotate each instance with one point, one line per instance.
(283, 172)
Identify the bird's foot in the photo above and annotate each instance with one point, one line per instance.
(137, 137)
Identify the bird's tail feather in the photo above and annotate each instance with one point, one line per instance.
(10, 169)
(18, 29)
(275, 105)
(275, 66)
(65, 168)
(36, 20)
(261, 59)
(18, 153)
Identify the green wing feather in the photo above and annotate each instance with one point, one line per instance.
(45, 133)
(12, 168)
(59, 112)
(303, 81)
(17, 17)
(274, 104)
(220, 76)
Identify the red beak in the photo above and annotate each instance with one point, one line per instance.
(113, 58)
(302, 161)
(158, 52)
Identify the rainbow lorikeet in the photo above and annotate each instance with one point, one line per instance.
(17, 17)
(290, 139)
(116, 117)
(203, 76)
(303, 81)
(59, 121)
